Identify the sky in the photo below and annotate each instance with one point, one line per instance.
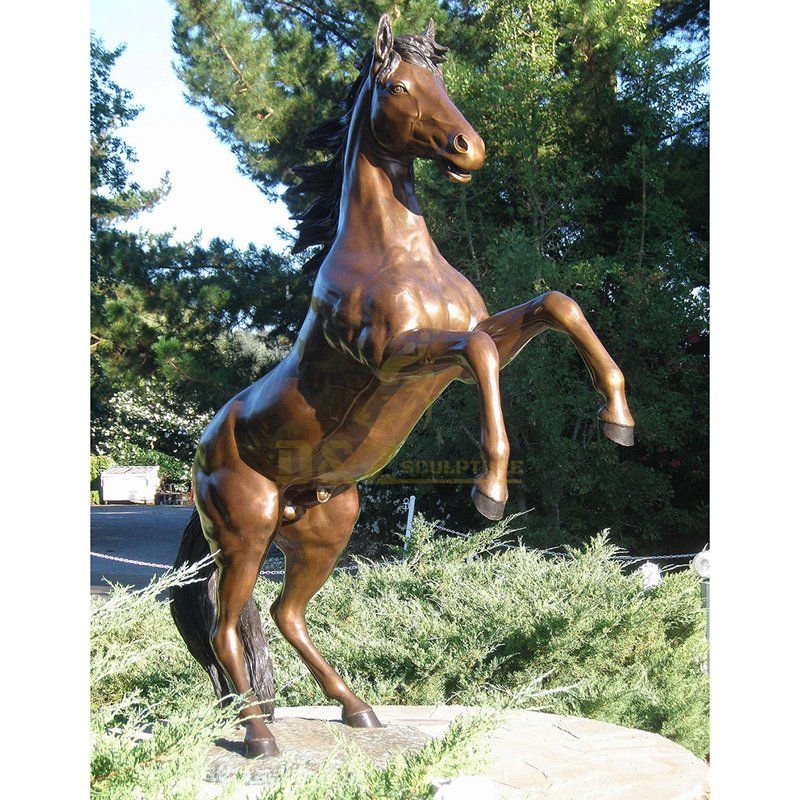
(208, 194)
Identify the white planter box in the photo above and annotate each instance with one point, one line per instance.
(129, 484)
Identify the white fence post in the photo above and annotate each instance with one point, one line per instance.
(702, 566)
(409, 503)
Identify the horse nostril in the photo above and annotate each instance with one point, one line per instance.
(460, 143)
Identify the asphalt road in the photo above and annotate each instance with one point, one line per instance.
(140, 533)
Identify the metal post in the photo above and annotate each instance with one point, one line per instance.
(705, 594)
(409, 504)
(702, 566)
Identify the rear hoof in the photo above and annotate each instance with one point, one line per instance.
(621, 434)
(491, 509)
(362, 719)
(255, 748)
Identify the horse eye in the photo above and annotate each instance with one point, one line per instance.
(398, 88)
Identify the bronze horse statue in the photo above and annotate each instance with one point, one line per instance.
(391, 324)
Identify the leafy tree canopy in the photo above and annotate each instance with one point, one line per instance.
(113, 195)
(193, 324)
(595, 117)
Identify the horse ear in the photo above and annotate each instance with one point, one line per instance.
(384, 38)
(430, 31)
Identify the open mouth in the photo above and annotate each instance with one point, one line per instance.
(453, 172)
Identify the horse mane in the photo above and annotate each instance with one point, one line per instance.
(318, 222)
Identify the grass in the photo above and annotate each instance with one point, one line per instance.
(476, 620)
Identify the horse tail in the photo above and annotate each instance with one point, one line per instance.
(194, 609)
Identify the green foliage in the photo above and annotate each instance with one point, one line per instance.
(463, 620)
(193, 318)
(588, 189)
(148, 740)
(154, 718)
(595, 117)
(96, 465)
(147, 424)
(574, 635)
(189, 324)
(266, 72)
(137, 659)
(113, 195)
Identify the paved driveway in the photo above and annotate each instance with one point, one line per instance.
(142, 533)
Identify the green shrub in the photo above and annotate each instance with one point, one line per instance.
(169, 467)
(94, 497)
(463, 620)
(468, 621)
(154, 717)
(96, 465)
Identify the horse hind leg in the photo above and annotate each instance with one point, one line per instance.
(240, 515)
(312, 546)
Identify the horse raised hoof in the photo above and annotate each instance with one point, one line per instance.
(362, 719)
(491, 509)
(255, 748)
(621, 434)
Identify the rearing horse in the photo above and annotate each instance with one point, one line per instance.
(390, 326)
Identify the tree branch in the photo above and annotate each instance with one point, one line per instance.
(202, 20)
(314, 15)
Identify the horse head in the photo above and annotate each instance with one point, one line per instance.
(411, 113)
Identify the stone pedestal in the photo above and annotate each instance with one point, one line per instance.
(309, 742)
(531, 755)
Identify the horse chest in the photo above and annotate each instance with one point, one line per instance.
(418, 297)
(361, 321)
(445, 304)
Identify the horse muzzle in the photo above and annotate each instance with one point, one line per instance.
(463, 156)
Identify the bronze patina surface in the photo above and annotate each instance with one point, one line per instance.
(390, 326)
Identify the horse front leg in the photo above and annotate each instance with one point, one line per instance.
(511, 330)
(433, 351)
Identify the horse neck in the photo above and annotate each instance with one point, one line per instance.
(379, 209)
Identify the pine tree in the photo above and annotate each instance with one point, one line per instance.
(595, 118)
(183, 321)
(113, 195)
